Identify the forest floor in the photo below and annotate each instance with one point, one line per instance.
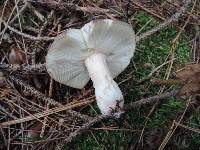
(37, 112)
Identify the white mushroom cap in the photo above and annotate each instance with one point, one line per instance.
(66, 56)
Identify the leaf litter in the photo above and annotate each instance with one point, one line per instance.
(190, 78)
(16, 97)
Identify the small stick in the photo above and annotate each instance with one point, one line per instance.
(147, 10)
(166, 82)
(174, 126)
(47, 107)
(24, 68)
(155, 70)
(173, 18)
(44, 38)
(25, 6)
(128, 107)
(35, 92)
(46, 113)
(84, 127)
(150, 100)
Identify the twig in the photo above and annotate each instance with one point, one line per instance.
(166, 82)
(174, 127)
(147, 10)
(47, 107)
(27, 35)
(171, 54)
(84, 127)
(150, 100)
(39, 95)
(23, 69)
(92, 9)
(33, 91)
(21, 11)
(1, 21)
(187, 127)
(46, 112)
(2, 13)
(154, 70)
(128, 107)
(66, 6)
(173, 18)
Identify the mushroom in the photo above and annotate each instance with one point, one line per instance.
(100, 50)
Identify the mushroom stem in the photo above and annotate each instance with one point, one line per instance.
(108, 95)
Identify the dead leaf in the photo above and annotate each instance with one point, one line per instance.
(35, 130)
(16, 56)
(190, 77)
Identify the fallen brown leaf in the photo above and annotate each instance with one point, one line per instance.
(16, 56)
(190, 77)
(35, 130)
